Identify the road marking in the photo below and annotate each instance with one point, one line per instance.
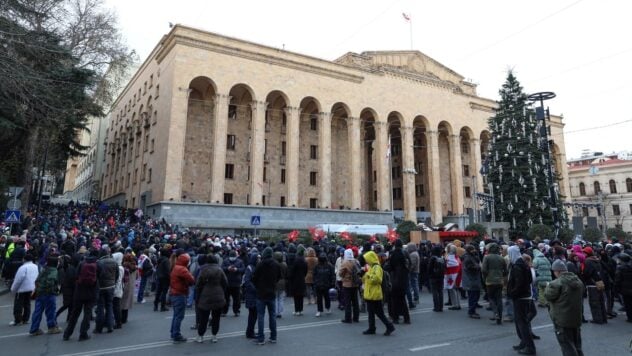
(6, 306)
(542, 326)
(427, 347)
(7, 336)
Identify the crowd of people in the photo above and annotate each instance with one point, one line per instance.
(102, 260)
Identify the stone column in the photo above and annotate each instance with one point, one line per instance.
(293, 115)
(383, 165)
(408, 173)
(174, 163)
(434, 176)
(475, 147)
(257, 150)
(218, 162)
(456, 177)
(355, 150)
(324, 159)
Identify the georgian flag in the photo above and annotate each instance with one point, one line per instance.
(452, 276)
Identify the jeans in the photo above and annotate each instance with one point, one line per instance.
(232, 293)
(261, 314)
(105, 309)
(509, 307)
(437, 293)
(162, 286)
(77, 308)
(412, 293)
(280, 297)
(47, 304)
(495, 294)
(22, 307)
(472, 299)
(570, 340)
(320, 295)
(178, 305)
(141, 289)
(523, 325)
(375, 308)
(352, 309)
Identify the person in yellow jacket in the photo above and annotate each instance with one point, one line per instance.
(372, 281)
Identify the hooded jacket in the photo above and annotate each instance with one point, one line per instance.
(118, 286)
(108, 272)
(266, 276)
(623, 279)
(311, 261)
(520, 278)
(250, 291)
(564, 296)
(413, 255)
(542, 267)
(471, 271)
(372, 279)
(234, 271)
(180, 277)
(210, 287)
(494, 268)
(348, 267)
(324, 275)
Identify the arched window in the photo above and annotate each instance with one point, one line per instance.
(628, 185)
(582, 189)
(613, 186)
(597, 188)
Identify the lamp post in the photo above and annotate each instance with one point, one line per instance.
(543, 115)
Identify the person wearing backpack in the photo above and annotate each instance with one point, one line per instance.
(372, 280)
(46, 291)
(146, 268)
(494, 269)
(324, 278)
(436, 269)
(85, 296)
(351, 281)
(107, 276)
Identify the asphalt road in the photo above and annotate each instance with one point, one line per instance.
(447, 333)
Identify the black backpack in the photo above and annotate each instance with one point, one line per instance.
(438, 267)
(87, 274)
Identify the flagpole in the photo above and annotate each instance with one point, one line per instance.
(411, 33)
(390, 175)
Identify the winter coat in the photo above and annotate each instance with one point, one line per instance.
(372, 279)
(163, 269)
(278, 256)
(592, 271)
(324, 275)
(347, 269)
(265, 278)
(25, 277)
(399, 271)
(211, 287)
(181, 278)
(250, 291)
(297, 275)
(564, 296)
(68, 281)
(129, 265)
(471, 272)
(108, 273)
(87, 294)
(542, 268)
(520, 279)
(311, 261)
(623, 279)
(47, 282)
(414, 258)
(494, 267)
(234, 276)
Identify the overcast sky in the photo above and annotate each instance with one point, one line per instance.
(579, 49)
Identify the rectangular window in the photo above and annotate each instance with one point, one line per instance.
(396, 150)
(149, 176)
(397, 193)
(137, 147)
(396, 172)
(157, 91)
(228, 198)
(283, 176)
(466, 170)
(151, 80)
(248, 175)
(232, 112)
(313, 151)
(465, 148)
(630, 209)
(263, 200)
(146, 143)
(467, 192)
(265, 174)
(584, 211)
(419, 190)
(374, 176)
(230, 142)
(134, 101)
(283, 148)
(312, 178)
(313, 203)
(144, 172)
(135, 176)
(138, 94)
(615, 209)
(313, 123)
(282, 201)
(229, 171)
(129, 178)
(145, 89)
(375, 195)
(155, 117)
(152, 145)
(419, 167)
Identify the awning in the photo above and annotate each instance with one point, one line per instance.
(458, 233)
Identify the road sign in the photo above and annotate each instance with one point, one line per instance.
(12, 216)
(14, 204)
(255, 220)
(15, 191)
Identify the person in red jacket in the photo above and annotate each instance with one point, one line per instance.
(180, 280)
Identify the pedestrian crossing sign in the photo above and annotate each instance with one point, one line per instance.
(255, 220)
(12, 216)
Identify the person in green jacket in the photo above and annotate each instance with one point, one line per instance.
(372, 281)
(495, 272)
(46, 291)
(564, 296)
(542, 268)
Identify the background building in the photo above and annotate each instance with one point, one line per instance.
(602, 180)
(212, 130)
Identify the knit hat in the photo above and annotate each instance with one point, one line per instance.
(588, 250)
(559, 266)
(348, 254)
(267, 253)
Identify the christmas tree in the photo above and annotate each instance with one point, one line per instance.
(519, 164)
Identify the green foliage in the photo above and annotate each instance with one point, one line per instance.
(616, 232)
(478, 228)
(540, 232)
(404, 228)
(592, 234)
(566, 235)
(517, 166)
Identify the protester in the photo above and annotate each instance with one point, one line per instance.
(46, 291)
(297, 272)
(108, 275)
(351, 281)
(250, 294)
(265, 279)
(312, 260)
(372, 281)
(519, 290)
(180, 281)
(233, 269)
(472, 279)
(210, 300)
(163, 269)
(324, 277)
(494, 270)
(623, 283)
(400, 276)
(85, 296)
(452, 277)
(23, 286)
(280, 288)
(436, 271)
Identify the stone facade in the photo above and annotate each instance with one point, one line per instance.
(213, 119)
(604, 179)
